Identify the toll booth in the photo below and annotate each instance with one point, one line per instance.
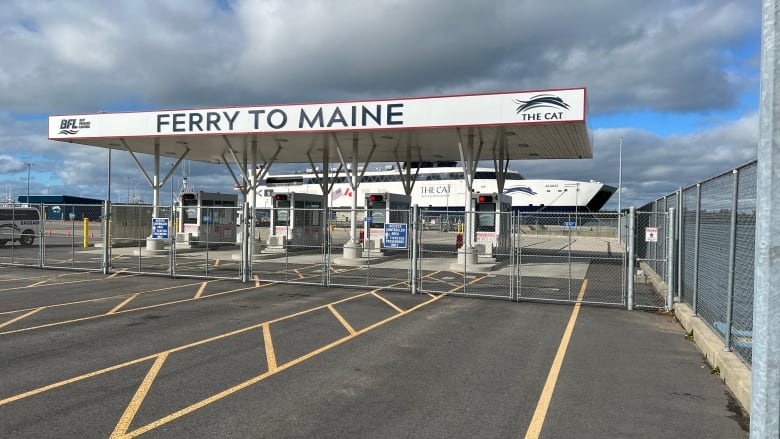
(490, 222)
(206, 218)
(383, 208)
(296, 220)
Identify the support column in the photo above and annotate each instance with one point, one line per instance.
(155, 245)
(765, 393)
(467, 255)
(353, 250)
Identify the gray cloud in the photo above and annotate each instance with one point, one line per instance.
(672, 56)
(631, 54)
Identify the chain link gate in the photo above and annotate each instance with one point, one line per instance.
(569, 257)
(370, 260)
(293, 249)
(651, 268)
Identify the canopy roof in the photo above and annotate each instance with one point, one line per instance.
(518, 125)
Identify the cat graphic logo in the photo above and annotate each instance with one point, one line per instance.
(530, 110)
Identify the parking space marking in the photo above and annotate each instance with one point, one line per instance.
(392, 305)
(48, 283)
(537, 421)
(117, 273)
(270, 354)
(125, 302)
(273, 367)
(341, 319)
(138, 398)
(81, 319)
(16, 319)
(227, 392)
(202, 288)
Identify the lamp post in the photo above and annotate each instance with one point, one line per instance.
(620, 173)
(620, 189)
(29, 165)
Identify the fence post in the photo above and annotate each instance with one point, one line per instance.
(246, 251)
(670, 261)
(631, 242)
(172, 238)
(415, 225)
(732, 256)
(678, 243)
(106, 237)
(695, 298)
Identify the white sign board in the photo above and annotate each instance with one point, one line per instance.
(521, 107)
(651, 234)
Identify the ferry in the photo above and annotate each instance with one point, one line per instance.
(441, 186)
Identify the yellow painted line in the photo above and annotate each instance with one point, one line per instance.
(343, 321)
(537, 421)
(74, 379)
(101, 298)
(392, 305)
(200, 290)
(208, 340)
(270, 354)
(216, 262)
(138, 398)
(149, 357)
(21, 317)
(81, 319)
(117, 273)
(125, 302)
(227, 392)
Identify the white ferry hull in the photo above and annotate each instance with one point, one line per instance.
(441, 194)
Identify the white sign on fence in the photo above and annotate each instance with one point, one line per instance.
(651, 234)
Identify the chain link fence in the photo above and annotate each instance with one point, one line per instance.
(541, 257)
(715, 239)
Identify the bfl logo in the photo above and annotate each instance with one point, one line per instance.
(72, 126)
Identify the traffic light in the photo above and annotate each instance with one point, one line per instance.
(485, 199)
(374, 198)
(280, 197)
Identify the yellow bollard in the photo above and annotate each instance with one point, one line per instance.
(86, 232)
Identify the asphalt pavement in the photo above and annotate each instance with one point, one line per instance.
(91, 355)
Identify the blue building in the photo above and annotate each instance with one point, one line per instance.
(66, 207)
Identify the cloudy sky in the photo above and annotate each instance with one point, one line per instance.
(677, 80)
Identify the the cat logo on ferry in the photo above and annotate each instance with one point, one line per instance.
(519, 189)
(524, 107)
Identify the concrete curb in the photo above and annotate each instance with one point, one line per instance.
(734, 373)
